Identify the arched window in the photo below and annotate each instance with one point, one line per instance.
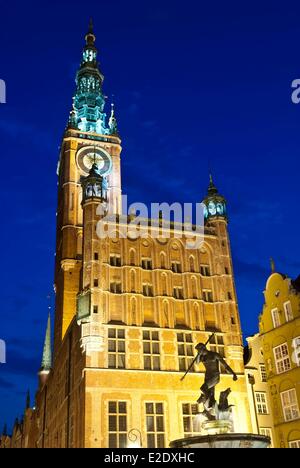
(194, 288)
(163, 261)
(197, 316)
(132, 256)
(132, 281)
(192, 264)
(164, 287)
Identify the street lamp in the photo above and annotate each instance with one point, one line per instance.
(135, 438)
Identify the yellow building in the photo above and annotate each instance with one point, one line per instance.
(280, 338)
(258, 390)
(129, 308)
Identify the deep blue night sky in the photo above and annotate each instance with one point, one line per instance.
(196, 85)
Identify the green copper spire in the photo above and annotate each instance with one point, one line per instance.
(88, 104)
(47, 352)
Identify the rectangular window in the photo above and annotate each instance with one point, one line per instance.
(276, 318)
(290, 405)
(263, 373)
(95, 309)
(148, 290)
(96, 283)
(147, 264)
(115, 260)
(294, 444)
(185, 348)
(261, 403)
(229, 296)
(267, 432)
(176, 267)
(282, 358)
(216, 344)
(288, 311)
(226, 271)
(205, 270)
(207, 296)
(178, 293)
(296, 348)
(155, 425)
(116, 348)
(151, 350)
(117, 424)
(115, 288)
(96, 256)
(189, 412)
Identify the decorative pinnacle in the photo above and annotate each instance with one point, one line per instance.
(112, 123)
(47, 352)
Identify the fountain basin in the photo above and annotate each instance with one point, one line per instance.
(229, 440)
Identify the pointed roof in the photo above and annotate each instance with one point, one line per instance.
(212, 189)
(47, 352)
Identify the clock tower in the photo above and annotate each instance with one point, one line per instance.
(89, 139)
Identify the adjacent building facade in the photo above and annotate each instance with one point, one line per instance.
(130, 305)
(280, 343)
(258, 390)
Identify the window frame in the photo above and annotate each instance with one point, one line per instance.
(190, 416)
(283, 360)
(290, 406)
(276, 318)
(156, 434)
(118, 415)
(117, 353)
(151, 355)
(261, 403)
(187, 344)
(288, 311)
(297, 442)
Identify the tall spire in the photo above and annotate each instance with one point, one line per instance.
(47, 352)
(87, 112)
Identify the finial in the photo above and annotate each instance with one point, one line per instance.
(90, 36)
(273, 268)
(91, 26)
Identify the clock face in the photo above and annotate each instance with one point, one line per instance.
(212, 208)
(220, 209)
(88, 156)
